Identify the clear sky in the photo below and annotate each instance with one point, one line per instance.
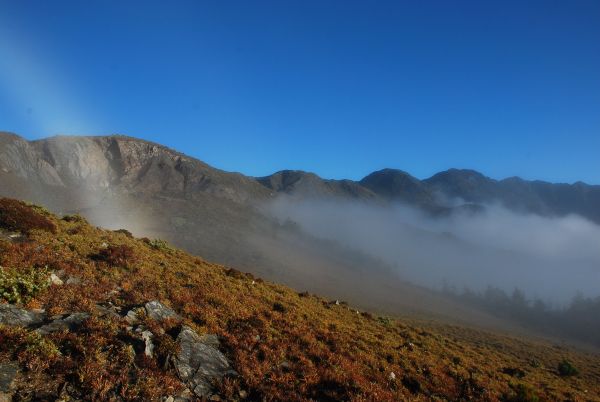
(340, 88)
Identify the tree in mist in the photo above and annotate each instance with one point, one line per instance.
(580, 320)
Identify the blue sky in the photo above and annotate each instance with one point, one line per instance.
(340, 88)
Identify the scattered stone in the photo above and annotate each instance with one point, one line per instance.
(199, 363)
(132, 317)
(115, 291)
(73, 280)
(55, 280)
(108, 310)
(69, 323)
(159, 312)
(243, 394)
(147, 337)
(15, 316)
(392, 376)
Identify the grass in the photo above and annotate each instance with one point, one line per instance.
(285, 345)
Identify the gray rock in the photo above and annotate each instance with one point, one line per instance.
(132, 317)
(210, 340)
(159, 312)
(71, 322)
(199, 363)
(55, 280)
(15, 316)
(147, 337)
(154, 310)
(73, 280)
(108, 311)
(8, 373)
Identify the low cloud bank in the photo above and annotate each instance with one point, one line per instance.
(549, 258)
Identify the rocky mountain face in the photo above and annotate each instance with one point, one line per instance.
(119, 163)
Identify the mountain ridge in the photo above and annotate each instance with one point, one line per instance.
(46, 159)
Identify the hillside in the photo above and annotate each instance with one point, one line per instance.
(122, 182)
(99, 315)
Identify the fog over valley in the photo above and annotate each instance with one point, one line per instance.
(552, 258)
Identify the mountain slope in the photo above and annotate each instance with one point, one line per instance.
(283, 345)
(118, 181)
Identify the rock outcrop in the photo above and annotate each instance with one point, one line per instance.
(199, 362)
(15, 316)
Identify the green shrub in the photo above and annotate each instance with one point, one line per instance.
(20, 287)
(522, 393)
(566, 369)
(159, 244)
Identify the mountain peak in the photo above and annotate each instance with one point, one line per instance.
(394, 184)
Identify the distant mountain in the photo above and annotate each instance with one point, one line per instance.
(309, 185)
(542, 198)
(396, 185)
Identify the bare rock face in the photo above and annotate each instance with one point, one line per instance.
(199, 363)
(8, 372)
(15, 316)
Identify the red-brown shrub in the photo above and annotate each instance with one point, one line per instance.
(121, 255)
(18, 216)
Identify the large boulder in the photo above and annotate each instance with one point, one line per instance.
(16, 316)
(199, 362)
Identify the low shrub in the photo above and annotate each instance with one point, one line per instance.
(159, 244)
(22, 286)
(279, 307)
(125, 232)
(74, 218)
(566, 369)
(521, 393)
(20, 217)
(119, 256)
